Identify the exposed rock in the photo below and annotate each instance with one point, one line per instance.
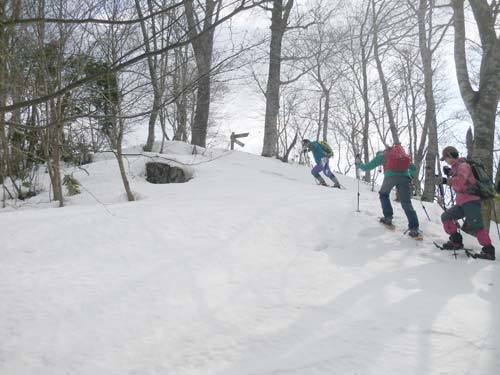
(162, 173)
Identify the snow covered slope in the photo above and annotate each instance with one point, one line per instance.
(248, 269)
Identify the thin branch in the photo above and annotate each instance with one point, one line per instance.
(123, 65)
(90, 20)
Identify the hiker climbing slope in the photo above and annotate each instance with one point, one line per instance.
(468, 204)
(398, 172)
(322, 152)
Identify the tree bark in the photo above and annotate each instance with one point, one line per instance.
(152, 66)
(279, 20)
(179, 84)
(119, 159)
(430, 121)
(326, 94)
(481, 103)
(383, 81)
(54, 141)
(3, 99)
(203, 50)
(366, 117)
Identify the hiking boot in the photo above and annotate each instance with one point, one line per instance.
(321, 181)
(386, 220)
(414, 233)
(454, 243)
(488, 252)
(336, 185)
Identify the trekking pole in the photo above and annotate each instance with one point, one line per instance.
(440, 186)
(357, 175)
(452, 197)
(358, 197)
(441, 193)
(425, 210)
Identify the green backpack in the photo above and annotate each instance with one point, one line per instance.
(326, 148)
(484, 188)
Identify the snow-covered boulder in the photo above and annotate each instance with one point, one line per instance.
(163, 173)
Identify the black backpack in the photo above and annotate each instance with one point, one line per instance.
(484, 187)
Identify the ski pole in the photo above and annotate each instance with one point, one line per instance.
(357, 159)
(441, 193)
(452, 197)
(425, 210)
(358, 196)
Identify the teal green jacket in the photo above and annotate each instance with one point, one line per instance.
(379, 160)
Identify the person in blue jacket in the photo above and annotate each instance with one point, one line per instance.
(322, 158)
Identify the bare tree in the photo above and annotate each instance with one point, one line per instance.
(482, 102)
(279, 20)
(320, 47)
(357, 54)
(152, 61)
(393, 22)
(202, 36)
(426, 32)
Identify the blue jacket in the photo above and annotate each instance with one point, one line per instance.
(317, 151)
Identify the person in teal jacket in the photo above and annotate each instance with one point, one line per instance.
(402, 182)
(321, 158)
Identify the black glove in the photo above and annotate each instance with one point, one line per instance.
(447, 171)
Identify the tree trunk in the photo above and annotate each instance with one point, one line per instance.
(203, 49)
(430, 110)
(326, 94)
(279, 20)
(320, 113)
(119, 159)
(200, 124)
(366, 105)
(3, 99)
(290, 148)
(481, 104)
(469, 142)
(179, 88)
(383, 81)
(152, 65)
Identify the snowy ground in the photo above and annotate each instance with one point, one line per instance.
(249, 268)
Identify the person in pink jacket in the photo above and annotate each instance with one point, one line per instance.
(462, 180)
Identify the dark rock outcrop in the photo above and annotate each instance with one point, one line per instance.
(162, 173)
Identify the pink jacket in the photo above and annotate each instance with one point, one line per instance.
(461, 180)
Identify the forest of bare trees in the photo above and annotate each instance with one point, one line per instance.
(75, 77)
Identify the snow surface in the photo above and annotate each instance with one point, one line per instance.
(249, 268)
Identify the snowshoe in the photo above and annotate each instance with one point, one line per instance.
(468, 252)
(415, 234)
(487, 253)
(387, 222)
(455, 242)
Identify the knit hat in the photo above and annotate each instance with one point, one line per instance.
(449, 151)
